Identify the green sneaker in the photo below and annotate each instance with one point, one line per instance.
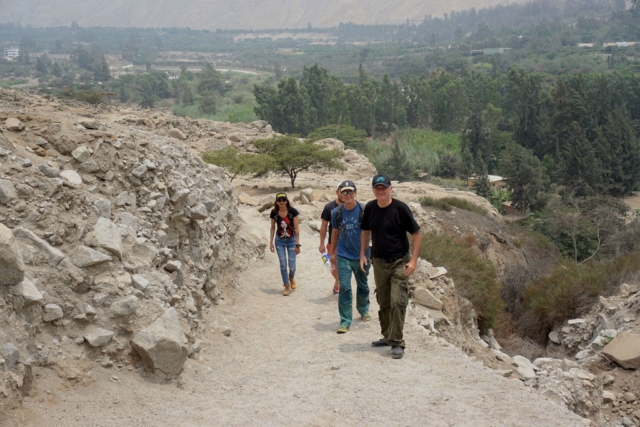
(366, 317)
(342, 329)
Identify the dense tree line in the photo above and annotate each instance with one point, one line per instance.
(581, 131)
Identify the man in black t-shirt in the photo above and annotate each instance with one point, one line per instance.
(326, 223)
(389, 220)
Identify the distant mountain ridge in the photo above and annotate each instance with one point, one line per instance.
(228, 14)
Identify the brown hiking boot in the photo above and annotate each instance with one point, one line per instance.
(293, 282)
(287, 289)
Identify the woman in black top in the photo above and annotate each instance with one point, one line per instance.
(285, 228)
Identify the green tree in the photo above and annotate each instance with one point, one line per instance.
(482, 186)
(56, 69)
(525, 177)
(398, 165)
(209, 103)
(42, 64)
(101, 72)
(287, 156)
(146, 96)
(528, 131)
(235, 163)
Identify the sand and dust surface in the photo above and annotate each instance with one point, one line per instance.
(284, 365)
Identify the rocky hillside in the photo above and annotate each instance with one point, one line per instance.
(113, 243)
(211, 15)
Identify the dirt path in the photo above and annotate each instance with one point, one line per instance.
(283, 364)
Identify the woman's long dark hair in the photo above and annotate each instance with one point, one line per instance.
(276, 209)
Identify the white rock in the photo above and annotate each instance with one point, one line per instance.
(124, 307)
(139, 171)
(106, 235)
(608, 397)
(163, 344)
(425, 298)
(199, 212)
(525, 368)
(29, 292)
(140, 282)
(625, 350)
(103, 208)
(129, 220)
(245, 199)
(14, 124)
(577, 322)
(553, 337)
(52, 312)
(86, 257)
(172, 266)
(71, 178)
(81, 154)
(97, 337)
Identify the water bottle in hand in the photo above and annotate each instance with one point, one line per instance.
(326, 259)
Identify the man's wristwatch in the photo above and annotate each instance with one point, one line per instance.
(298, 245)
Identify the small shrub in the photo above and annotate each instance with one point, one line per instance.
(572, 287)
(475, 278)
(448, 203)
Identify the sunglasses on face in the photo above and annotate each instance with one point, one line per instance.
(281, 199)
(348, 192)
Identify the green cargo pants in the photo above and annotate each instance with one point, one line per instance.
(392, 294)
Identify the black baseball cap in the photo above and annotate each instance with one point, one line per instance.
(381, 179)
(281, 195)
(348, 185)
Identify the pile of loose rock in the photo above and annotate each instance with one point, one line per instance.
(113, 241)
(607, 340)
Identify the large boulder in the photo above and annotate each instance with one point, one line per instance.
(163, 345)
(625, 350)
(11, 263)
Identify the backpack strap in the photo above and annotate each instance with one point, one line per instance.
(339, 217)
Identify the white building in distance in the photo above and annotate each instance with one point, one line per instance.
(11, 52)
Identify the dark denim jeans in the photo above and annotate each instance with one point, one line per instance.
(286, 247)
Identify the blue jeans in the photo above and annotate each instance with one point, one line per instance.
(284, 247)
(346, 267)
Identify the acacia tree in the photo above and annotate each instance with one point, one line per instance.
(287, 156)
(235, 163)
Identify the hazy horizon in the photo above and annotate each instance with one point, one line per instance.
(228, 14)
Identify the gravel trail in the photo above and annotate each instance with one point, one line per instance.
(284, 365)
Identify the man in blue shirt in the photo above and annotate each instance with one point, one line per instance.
(345, 220)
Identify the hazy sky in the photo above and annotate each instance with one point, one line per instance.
(213, 14)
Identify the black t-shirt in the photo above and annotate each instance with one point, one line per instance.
(284, 226)
(326, 214)
(389, 227)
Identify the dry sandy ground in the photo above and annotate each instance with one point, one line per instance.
(283, 364)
